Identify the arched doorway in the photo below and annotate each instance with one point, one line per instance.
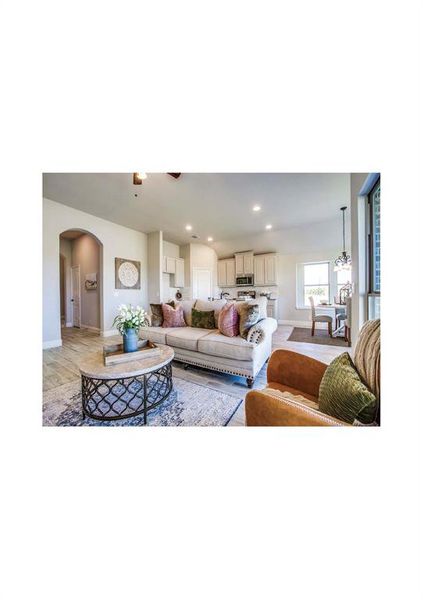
(81, 276)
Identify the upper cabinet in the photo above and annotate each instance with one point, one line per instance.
(244, 263)
(265, 269)
(179, 279)
(226, 272)
(175, 267)
(259, 269)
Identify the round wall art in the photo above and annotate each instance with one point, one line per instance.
(127, 274)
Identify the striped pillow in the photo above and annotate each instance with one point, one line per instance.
(228, 321)
(343, 395)
(173, 317)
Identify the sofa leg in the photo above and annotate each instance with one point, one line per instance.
(250, 381)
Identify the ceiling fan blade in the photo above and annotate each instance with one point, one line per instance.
(175, 175)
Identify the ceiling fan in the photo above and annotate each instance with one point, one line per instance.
(138, 177)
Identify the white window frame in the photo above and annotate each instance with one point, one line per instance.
(333, 281)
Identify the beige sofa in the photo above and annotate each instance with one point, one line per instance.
(210, 349)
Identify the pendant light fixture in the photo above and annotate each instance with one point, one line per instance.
(343, 262)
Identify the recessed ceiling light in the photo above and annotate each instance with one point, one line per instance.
(256, 208)
(268, 227)
(188, 227)
(209, 239)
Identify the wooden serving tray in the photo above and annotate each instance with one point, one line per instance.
(113, 354)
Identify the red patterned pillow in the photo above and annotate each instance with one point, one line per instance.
(173, 317)
(228, 321)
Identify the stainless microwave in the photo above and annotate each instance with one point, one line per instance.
(245, 280)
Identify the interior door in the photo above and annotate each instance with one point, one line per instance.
(201, 284)
(76, 296)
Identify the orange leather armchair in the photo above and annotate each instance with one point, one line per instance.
(289, 372)
(301, 375)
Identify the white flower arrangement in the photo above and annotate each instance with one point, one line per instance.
(130, 318)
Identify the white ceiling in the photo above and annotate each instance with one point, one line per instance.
(215, 204)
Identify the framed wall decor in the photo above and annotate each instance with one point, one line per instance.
(91, 281)
(127, 274)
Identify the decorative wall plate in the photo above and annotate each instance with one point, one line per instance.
(127, 274)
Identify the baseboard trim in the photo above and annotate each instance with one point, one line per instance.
(90, 327)
(52, 344)
(109, 332)
(302, 324)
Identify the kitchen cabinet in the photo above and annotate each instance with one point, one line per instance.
(226, 272)
(169, 264)
(270, 269)
(259, 269)
(176, 267)
(244, 263)
(179, 279)
(265, 269)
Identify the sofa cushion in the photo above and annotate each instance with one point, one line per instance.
(157, 313)
(343, 395)
(307, 399)
(249, 315)
(215, 305)
(217, 344)
(186, 337)
(173, 317)
(155, 334)
(187, 306)
(203, 319)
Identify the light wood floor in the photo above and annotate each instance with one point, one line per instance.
(60, 365)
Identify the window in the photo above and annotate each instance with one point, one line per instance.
(315, 282)
(373, 253)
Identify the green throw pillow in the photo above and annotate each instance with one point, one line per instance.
(203, 319)
(343, 395)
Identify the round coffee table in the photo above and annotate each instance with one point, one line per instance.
(127, 389)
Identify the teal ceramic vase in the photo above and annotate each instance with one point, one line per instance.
(130, 340)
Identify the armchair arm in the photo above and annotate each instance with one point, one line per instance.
(261, 330)
(269, 408)
(296, 371)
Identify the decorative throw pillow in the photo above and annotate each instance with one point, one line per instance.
(215, 305)
(343, 395)
(202, 318)
(249, 315)
(157, 313)
(187, 306)
(173, 317)
(228, 321)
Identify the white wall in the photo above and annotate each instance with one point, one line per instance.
(117, 241)
(320, 241)
(155, 267)
(66, 251)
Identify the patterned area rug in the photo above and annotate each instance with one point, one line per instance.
(321, 336)
(188, 405)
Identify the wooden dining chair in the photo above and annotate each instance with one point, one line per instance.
(319, 318)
